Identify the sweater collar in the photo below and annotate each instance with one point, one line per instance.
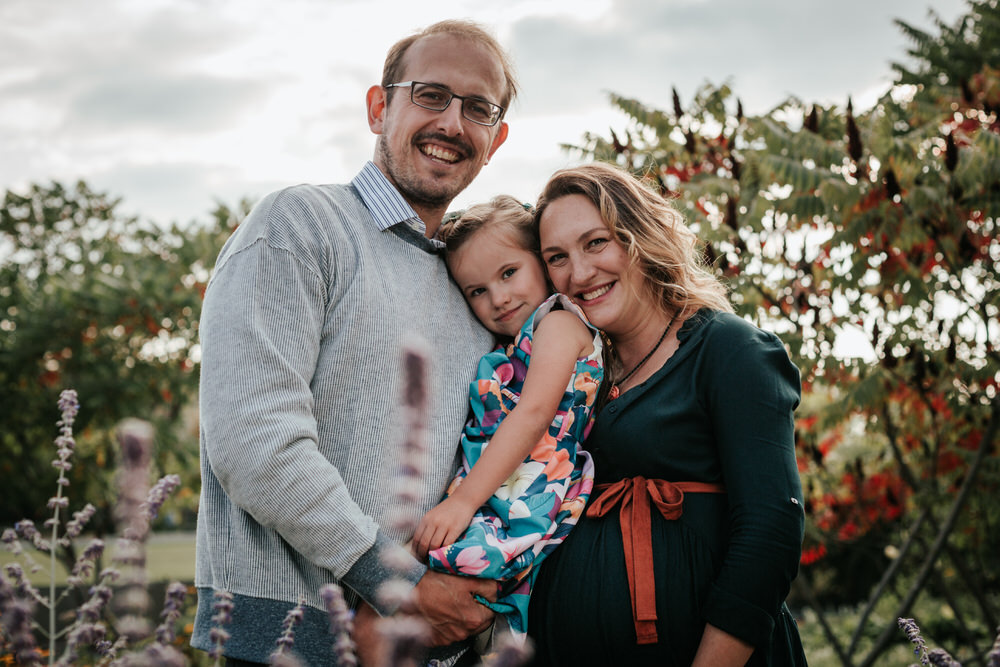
(383, 201)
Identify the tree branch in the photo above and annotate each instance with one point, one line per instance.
(985, 445)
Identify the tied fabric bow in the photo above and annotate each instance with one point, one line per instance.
(633, 496)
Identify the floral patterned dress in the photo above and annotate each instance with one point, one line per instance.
(533, 511)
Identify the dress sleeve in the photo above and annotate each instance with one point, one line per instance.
(751, 390)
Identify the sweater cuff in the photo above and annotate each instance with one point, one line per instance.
(738, 617)
(373, 570)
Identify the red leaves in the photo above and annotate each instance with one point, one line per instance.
(812, 554)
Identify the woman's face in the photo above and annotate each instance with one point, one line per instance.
(587, 263)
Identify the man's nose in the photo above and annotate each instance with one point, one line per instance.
(450, 121)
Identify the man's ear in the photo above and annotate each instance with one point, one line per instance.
(499, 139)
(376, 102)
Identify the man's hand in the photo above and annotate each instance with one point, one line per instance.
(446, 602)
(368, 643)
(444, 524)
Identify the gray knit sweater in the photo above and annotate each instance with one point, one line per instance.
(301, 331)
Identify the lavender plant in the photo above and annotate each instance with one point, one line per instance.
(223, 616)
(341, 624)
(406, 637)
(938, 657)
(88, 630)
(283, 655)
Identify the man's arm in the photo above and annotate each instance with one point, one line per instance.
(261, 330)
(262, 326)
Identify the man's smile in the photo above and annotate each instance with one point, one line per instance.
(440, 153)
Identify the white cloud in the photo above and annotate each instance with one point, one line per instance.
(173, 103)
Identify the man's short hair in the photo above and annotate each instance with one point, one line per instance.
(394, 65)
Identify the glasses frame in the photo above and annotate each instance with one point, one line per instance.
(497, 113)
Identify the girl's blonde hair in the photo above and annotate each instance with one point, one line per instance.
(502, 210)
(652, 232)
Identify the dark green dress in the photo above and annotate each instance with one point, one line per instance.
(719, 411)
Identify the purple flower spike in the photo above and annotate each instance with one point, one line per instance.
(909, 626)
(159, 494)
(287, 639)
(68, 403)
(61, 502)
(172, 608)
(223, 607)
(17, 628)
(941, 658)
(80, 519)
(341, 624)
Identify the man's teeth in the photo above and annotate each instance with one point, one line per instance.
(587, 296)
(440, 153)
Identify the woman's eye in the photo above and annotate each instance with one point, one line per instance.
(556, 259)
(596, 243)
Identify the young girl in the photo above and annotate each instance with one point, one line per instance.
(524, 479)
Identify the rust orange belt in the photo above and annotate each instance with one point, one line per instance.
(634, 494)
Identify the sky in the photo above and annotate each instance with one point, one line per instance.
(174, 105)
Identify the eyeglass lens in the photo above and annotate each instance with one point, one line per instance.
(437, 98)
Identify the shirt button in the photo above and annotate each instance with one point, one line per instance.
(612, 408)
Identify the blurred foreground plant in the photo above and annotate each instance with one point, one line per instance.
(98, 634)
(107, 303)
(938, 656)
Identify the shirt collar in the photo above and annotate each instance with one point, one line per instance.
(387, 206)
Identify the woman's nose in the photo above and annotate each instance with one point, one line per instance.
(581, 271)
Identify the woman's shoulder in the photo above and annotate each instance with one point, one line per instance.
(733, 346)
(724, 328)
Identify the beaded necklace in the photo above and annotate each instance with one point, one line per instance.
(615, 388)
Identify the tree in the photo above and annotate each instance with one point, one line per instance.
(881, 224)
(104, 304)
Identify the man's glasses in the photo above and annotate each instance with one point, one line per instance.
(437, 98)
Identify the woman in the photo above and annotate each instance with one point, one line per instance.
(693, 535)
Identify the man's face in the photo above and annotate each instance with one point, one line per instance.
(431, 156)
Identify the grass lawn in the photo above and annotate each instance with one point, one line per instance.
(169, 557)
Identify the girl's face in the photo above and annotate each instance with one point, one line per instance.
(502, 281)
(589, 265)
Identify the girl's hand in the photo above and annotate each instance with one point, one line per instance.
(442, 525)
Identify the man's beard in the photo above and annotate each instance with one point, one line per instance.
(414, 190)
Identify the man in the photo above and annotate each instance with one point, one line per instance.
(301, 377)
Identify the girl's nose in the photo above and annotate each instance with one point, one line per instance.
(500, 298)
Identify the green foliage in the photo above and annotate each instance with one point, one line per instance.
(98, 301)
(882, 226)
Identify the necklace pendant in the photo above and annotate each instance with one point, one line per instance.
(614, 393)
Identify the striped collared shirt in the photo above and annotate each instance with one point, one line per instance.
(386, 205)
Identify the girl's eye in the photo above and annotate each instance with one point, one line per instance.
(509, 272)
(476, 291)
